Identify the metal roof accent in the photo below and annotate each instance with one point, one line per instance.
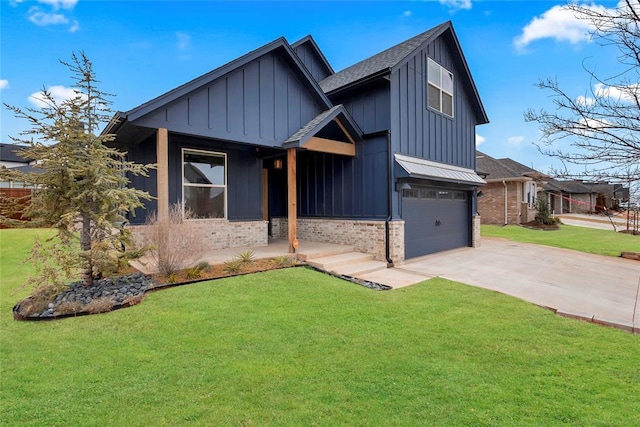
(421, 168)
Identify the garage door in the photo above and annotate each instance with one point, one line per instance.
(435, 219)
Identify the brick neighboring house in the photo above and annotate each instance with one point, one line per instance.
(509, 197)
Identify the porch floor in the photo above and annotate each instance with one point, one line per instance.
(331, 257)
(276, 247)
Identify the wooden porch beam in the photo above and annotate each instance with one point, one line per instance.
(292, 201)
(324, 145)
(162, 173)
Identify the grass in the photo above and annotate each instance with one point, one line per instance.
(591, 240)
(296, 347)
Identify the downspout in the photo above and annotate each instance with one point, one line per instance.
(387, 250)
(506, 211)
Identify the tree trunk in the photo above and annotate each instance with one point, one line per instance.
(85, 246)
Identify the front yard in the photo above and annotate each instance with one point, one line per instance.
(590, 240)
(296, 347)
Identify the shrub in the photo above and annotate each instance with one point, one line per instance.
(100, 305)
(284, 261)
(233, 266)
(246, 257)
(543, 216)
(174, 245)
(69, 307)
(195, 272)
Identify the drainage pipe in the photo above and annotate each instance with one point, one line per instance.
(506, 210)
(387, 249)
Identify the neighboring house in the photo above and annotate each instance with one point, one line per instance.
(569, 196)
(573, 196)
(10, 159)
(380, 155)
(510, 194)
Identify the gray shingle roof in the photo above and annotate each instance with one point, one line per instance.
(380, 62)
(309, 127)
(570, 186)
(502, 168)
(9, 153)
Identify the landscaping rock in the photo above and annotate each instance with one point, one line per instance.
(117, 289)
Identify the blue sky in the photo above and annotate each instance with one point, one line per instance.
(141, 49)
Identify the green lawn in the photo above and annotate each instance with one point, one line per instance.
(296, 347)
(591, 240)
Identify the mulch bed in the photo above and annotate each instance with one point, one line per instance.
(537, 226)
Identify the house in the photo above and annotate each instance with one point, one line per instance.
(575, 196)
(510, 194)
(569, 196)
(380, 155)
(10, 159)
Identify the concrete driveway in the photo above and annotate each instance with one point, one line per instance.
(593, 287)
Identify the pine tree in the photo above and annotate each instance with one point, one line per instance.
(82, 190)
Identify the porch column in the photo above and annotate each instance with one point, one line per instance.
(292, 199)
(162, 173)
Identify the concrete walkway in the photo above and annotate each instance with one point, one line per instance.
(592, 287)
(595, 221)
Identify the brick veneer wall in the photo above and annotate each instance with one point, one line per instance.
(364, 236)
(491, 204)
(218, 234)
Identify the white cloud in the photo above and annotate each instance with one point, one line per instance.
(457, 4)
(59, 4)
(480, 140)
(53, 12)
(4, 84)
(625, 94)
(75, 26)
(558, 23)
(515, 140)
(407, 13)
(42, 19)
(585, 101)
(184, 40)
(59, 94)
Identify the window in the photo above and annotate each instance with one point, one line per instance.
(204, 183)
(529, 193)
(440, 88)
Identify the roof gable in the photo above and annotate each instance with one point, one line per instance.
(279, 44)
(387, 61)
(313, 58)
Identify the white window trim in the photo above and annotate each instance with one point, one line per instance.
(185, 184)
(440, 89)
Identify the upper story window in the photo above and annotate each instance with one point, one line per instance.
(440, 88)
(204, 183)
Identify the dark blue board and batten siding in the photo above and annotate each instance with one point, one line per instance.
(334, 186)
(261, 103)
(244, 175)
(370, 107)
(310, 59)
(422, 132)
